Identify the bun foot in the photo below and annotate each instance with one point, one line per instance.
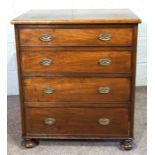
(126, 144)
(30, 143)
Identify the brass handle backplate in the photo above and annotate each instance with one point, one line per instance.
(104, 90)
(48, 90)
(105, 61)
(105, 36)
(104, 121)
(46, 62)
(46, 37)
(50, 121)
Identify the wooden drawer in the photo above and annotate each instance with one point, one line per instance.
(76, 37)
(77, 121)
(72, 89)
(79, 61)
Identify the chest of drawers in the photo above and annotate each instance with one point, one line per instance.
(77, 74)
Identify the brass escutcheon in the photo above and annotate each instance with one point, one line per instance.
(46, 37)
(104, 90)
(46, 62)
(105, 36)
(104, 121)
(48, 90)
(49, 121)
(105, 61)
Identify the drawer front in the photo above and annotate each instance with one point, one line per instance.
(77, 121)
(76, 37)
(86, 62)
(72, 89)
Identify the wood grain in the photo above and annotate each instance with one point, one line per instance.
(20, 81)
(81, 61)
(76, 89)
(133, 80)
(75, 73)
(78, 16)
(76, 37)
(77, 121)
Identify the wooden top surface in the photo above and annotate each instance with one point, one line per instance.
(99, 16)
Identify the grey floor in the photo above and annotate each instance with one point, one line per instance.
(55, 147)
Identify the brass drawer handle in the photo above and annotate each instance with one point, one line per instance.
(104, 90)
(104, 121)
(49, 121)
(46, 37)
(46, 62)
(105, 61)
(48, 90)
(105, 36)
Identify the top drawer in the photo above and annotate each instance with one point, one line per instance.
(76, 37)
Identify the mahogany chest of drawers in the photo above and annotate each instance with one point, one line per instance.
(77, 74)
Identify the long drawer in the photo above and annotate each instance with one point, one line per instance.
(72, 89)
(100, 122)
(79, 61)
(76, 37)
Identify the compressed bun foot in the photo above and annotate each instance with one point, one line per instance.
(126, 144)
(30, 143)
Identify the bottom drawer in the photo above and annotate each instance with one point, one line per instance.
(77, 121)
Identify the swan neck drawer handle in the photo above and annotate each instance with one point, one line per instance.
(46, 37)
(104, 121)
(104, 90)
(46, 62)
(48, 90)
(105, 61)
(49, 121)
(105, 36)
